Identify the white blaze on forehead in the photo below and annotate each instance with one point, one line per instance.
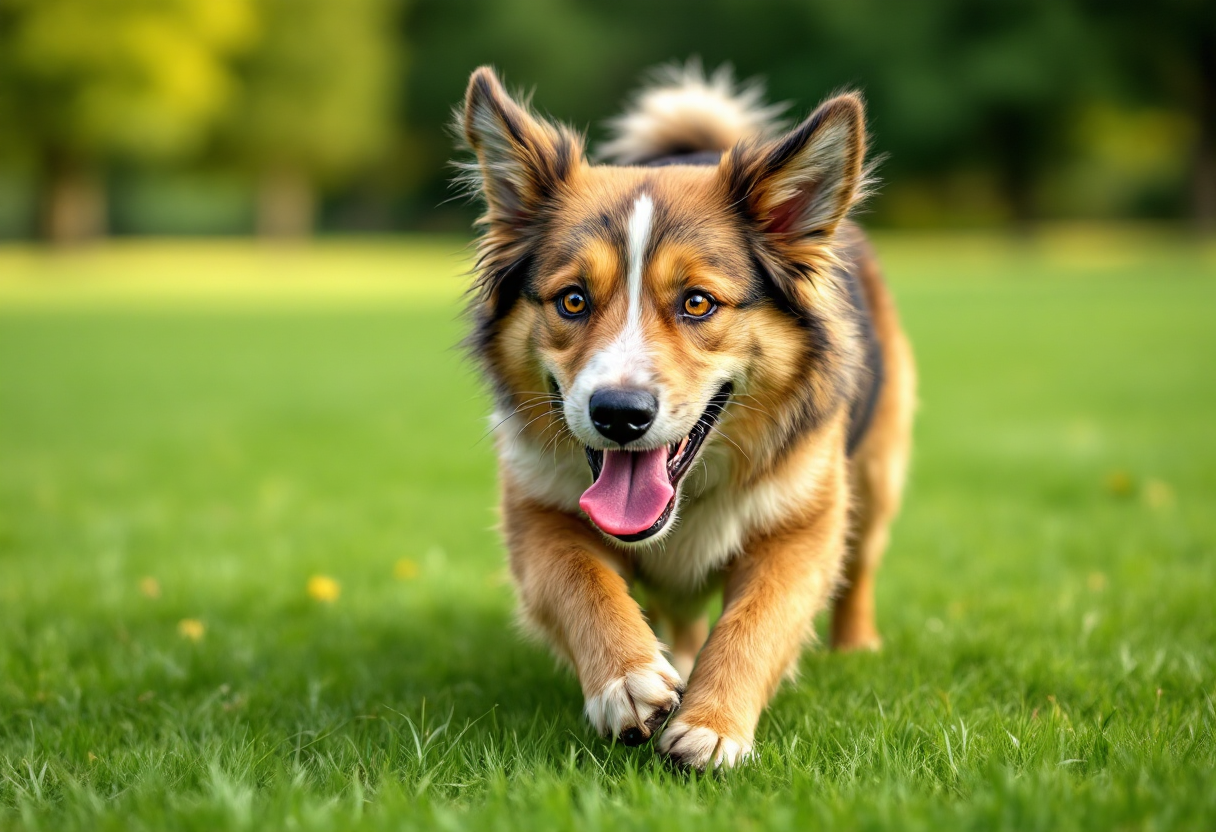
(625, 362)
(639, 235)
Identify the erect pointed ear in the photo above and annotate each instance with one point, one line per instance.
(800, 186)
(522, 159)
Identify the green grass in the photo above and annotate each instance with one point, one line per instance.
(1047, 603)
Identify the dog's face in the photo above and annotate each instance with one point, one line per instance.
(620, 309)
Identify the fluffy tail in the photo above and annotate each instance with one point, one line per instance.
(683, 111)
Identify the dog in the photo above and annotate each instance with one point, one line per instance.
(701, 386)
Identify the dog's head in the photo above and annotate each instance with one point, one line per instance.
(632, 313)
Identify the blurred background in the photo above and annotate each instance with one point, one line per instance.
(286, 118)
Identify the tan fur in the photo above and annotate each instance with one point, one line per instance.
(876, 473)
(776, 513)
(684, 108)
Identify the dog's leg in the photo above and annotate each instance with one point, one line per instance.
(877, 479)
(572, 587)
(876, 473)
(771, 597)
(687, 638)
(683, 625)
(853, 621)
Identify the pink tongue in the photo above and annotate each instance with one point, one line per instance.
(632, 491)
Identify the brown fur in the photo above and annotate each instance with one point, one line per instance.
(777, 513)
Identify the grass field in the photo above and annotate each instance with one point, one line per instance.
(248, 577)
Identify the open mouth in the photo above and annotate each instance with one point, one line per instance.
(633, 493)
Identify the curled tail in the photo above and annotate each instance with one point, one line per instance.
(684, 112)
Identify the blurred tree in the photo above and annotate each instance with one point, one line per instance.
(579, 57)
(951, 84)
(317, 102)
(1166, 53)
(83, 82)
(997, 85)
(979, 107)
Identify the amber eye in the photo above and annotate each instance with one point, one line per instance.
(698, 305)
(572, 303)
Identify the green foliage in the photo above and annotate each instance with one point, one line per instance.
(94, 79)
(1050, 658)
(985, 112)
(975, 106)
(317, 93)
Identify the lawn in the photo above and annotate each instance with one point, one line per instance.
(249, 579)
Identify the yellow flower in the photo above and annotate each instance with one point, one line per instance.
(191, 628)
(150, 587)
(405, 569)
(1119, 483)
(323, 588)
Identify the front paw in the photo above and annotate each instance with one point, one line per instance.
(633, 706)
(701, 747)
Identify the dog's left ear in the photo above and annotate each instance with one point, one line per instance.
(800, 186)
(522, 159)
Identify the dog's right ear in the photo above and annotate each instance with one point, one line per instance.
(522, 159)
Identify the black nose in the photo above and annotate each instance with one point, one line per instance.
(622, 415)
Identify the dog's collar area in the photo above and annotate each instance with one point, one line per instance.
(681, 456)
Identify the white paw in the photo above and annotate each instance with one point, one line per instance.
(702, 748)
(632, 706)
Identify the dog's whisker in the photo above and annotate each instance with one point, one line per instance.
(764, 413)
(765, 401)
(518, 408)
(515, 438)
(562, 432)
(704, 469)
(544, 432)
(540, 399)
(495, 427)
(557, 423)
(725, 436)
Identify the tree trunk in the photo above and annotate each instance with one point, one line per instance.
(286, 204)
(1204, 188)
(73, 203)
(1203, 176)
(1016, 168)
